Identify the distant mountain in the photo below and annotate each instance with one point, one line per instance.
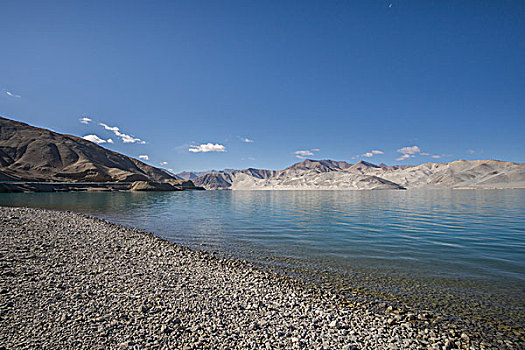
(29, 153)
(321, 165)
(394, 167)
(335, 175)
(223, 179)
(363, 166)
(190, 175)
(215, 181)
(459, 174)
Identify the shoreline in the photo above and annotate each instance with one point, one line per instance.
(73, 280)
(80, 186)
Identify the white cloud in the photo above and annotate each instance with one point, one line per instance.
(124, 137)
(436, 156)
(424, 154)
(144, 157)
(107, 127)
(85, 120)
(372, 153)
(405, 156)
(163, 163)
(9, 93)
(304, 153)
(247, 140)
(471, 151)
(409, 150)
(96, 139)
(207, 147)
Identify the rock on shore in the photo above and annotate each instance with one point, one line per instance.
(72, 281)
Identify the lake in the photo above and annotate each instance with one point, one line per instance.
(464, 248)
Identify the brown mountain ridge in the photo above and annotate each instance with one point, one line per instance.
(32, 154)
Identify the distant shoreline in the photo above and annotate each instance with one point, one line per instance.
(43, 186)
(94, 283)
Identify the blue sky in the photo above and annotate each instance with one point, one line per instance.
(188, 83)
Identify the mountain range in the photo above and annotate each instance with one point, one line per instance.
(35, 159)
(339, 175)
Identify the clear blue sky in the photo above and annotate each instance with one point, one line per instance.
(336, 79)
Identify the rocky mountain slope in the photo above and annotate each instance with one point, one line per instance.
(332, 175)
(29, 153)
(459, 174)
(190, 175)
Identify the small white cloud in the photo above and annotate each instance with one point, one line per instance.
(163, 163)
(110, 128)
(124, 137)
(372, 153)
(405, 156)
(436, 156)
(424, 154)
(409, 150)
(96, 139)
(207, 147)
(9, 93)
(304, 153)
(247, 140)
(85, 120)
(471, 151)
(144, 157)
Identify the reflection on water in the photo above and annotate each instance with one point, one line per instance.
(466, 234)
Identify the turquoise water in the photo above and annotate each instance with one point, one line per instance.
(447, 233)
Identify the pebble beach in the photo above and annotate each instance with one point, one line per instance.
(69, 280)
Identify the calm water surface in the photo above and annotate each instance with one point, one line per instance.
(447, 233)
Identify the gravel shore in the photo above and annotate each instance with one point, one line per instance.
(73, 281)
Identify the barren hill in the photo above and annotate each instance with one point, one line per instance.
(29, 153)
